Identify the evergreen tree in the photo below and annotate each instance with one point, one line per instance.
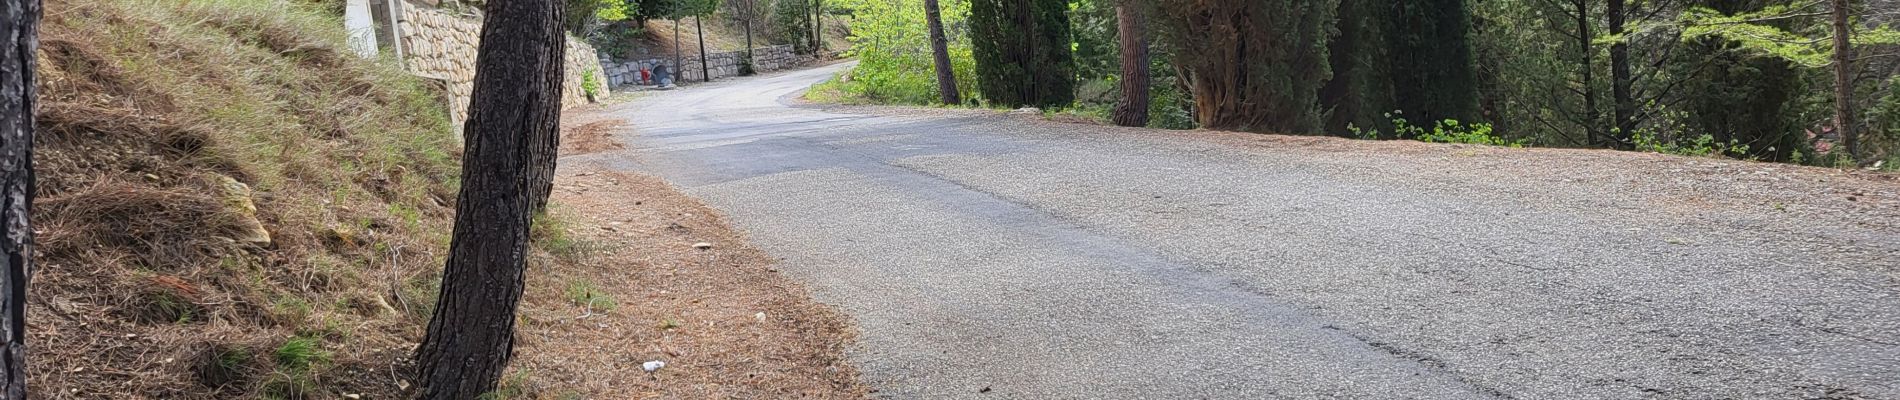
(1741, 95)
(1428, 52)
(1360, 91)
(1022, 51)
(1252, 65)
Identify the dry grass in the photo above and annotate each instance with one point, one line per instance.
(147, 288)
(151, 286)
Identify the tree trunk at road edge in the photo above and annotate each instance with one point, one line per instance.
(1133, 33)
(705, 71)
(17, 99)
(818, 25)
(679, 58)
(1843, 81)
(1621, 79)
(940, 53)
(1585, 42)
(750, 10)
(511, 136)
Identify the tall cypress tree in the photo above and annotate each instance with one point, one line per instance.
(1428, 51)
(1252, 65)
(1360, 92)
(1022, 52)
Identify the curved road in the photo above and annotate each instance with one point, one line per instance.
(985, 255)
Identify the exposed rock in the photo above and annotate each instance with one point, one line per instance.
(237, 196)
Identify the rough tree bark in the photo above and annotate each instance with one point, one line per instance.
(1131, 24)
(699, 26)
(19, 19)
(1584, 40)
(1620, 78)
(1843, 80)
(511, 135)
(940, 52)
(750, 10)
(818, 25)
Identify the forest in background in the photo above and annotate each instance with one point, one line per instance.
(1750, 79)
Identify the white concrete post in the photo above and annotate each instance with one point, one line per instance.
(361, 27)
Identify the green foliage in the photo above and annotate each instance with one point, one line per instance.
(1097, 49)
(1703, 145)
(1023, 61)
(1739, 96)
(671, 9)
(590, 82)
(585, 294)
(300, 353)
(1427, 57)
(550, 234)
(582, 14)
(1884, 119)
(1169, 106)
(1443, 131)
(1767, 31)
(893, 51)
(791, 23)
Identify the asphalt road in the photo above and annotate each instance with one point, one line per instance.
(996, 256)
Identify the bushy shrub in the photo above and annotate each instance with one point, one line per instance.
(791, 23)
(894, 61)
(1443, 131)
(1024, 61)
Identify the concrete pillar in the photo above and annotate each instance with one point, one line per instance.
(361, 27)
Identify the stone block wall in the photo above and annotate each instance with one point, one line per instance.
(441, 45)
(721, 65)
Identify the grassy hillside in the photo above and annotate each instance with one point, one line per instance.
(231, 204)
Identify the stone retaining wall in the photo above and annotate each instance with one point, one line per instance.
(721, 65)
(441, 45)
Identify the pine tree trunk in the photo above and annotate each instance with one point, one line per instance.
(1584, 40)
(511, 135)
(1843, 80)
(705, 71)
(17, 98)
(940, 52)
(818, 25)
(1620, 78)
(1133, 33)
(749, 66)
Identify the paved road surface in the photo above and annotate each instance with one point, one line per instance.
(995, 256)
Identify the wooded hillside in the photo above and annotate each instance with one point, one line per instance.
(1754, 79)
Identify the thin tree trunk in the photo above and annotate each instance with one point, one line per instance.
(811, 17)
(20, 21)
(749, 66)
(511, 134)
(940, 52)
(705, 71)
(818, 25)
(1133, 33)
(1843, 80)
(1620, 78)
(679, 58)
(1589, 73)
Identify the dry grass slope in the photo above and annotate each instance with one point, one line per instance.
(173, 132)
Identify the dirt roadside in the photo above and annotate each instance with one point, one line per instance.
(642, 285)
